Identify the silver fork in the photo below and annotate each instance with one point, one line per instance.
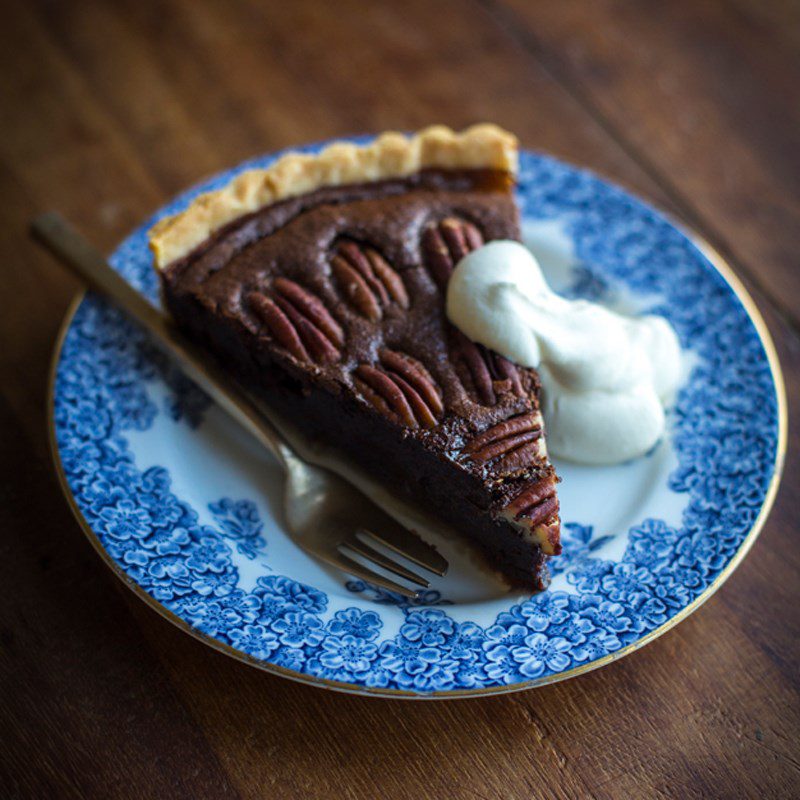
(326, 515)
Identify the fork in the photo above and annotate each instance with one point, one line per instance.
(326, 515)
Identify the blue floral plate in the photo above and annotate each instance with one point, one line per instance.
(187, 510)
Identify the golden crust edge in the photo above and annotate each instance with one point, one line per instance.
(390, 155)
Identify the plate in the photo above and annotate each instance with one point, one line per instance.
(187, 511)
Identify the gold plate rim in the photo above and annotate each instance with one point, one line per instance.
(738, 288)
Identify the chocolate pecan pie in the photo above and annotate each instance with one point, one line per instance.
(320, 282)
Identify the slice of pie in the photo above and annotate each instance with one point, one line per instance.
(320, 283)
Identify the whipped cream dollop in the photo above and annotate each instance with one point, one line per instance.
(605, 377)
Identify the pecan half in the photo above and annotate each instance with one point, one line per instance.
(366, 279)
(512, 445)
(536, 509)
(487, 373)
(400, 389)
(414, 373)
(299, 321)
(445, 243)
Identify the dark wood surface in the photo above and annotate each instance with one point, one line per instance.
(108, 109)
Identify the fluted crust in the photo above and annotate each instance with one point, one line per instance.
(390, 155)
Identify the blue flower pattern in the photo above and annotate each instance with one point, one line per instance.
(426, 597)
(726, 461)
(579, 542)
(239, 521)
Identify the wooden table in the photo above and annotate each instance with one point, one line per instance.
(108, 109)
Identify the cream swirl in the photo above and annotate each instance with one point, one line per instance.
(605, 377)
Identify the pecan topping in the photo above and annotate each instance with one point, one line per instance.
(513, 442)
(299, 321)
(367, 280)
(400, 389)
(446, 243)
(535, 508)
(414, 373)
(488, 374)
(536, 503)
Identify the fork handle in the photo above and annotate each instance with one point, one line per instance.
(88, 264)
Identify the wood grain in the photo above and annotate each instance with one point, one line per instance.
(703, 96)
(108, 109)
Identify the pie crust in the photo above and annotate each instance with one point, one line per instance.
(391, 155)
